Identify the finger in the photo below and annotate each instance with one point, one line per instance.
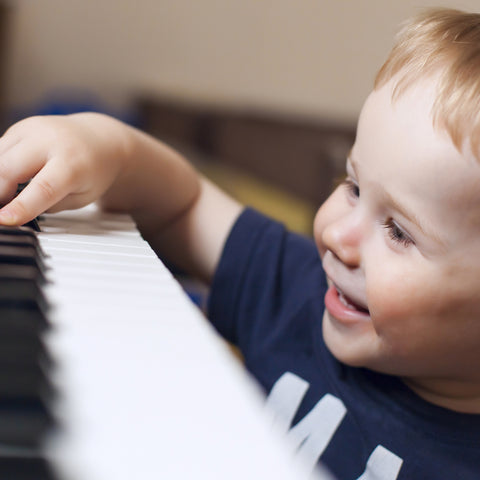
(18, 165)
(46, 189)
(10, 137)
(16, 133)
(71, 202)
(17, 129)
(8, 142)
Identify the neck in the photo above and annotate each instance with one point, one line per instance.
(457, 395)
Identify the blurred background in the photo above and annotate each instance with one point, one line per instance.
(263, 95)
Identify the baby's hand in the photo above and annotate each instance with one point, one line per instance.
(70, 161)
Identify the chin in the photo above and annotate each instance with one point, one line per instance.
(345, 348)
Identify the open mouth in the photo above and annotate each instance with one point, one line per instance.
(349, 303)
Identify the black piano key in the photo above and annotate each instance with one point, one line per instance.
(19, 382)
(15, 318)
(24, 422)
(24, 367)
(21, 256)
(21, 186)
(10, 271)
(21, 292)
(17, 230)
(33, 224)
(18, 240)
(25, 389)
(25, 467)
(23, 348)
(21, 241)
(20, 312)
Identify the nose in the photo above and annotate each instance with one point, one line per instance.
(343, 237)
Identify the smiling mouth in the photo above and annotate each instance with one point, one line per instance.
(349, 303)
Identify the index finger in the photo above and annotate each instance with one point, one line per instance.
(47, 187)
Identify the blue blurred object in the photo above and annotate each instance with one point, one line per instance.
(67, 101)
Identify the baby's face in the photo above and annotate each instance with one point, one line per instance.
(400, 244)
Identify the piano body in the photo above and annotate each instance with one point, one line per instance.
(143, 387)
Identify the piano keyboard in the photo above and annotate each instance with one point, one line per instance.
(129, 381)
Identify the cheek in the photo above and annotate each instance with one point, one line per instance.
(413, 312)
(398, 300)
(418, 294)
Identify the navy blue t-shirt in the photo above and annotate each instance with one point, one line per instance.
(268, 298)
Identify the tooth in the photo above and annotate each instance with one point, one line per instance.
(344, 300)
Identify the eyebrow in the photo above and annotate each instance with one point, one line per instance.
(409, 215)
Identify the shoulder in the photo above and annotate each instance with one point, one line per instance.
(265, 273)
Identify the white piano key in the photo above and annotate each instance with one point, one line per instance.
(147, 389)
(77, 240)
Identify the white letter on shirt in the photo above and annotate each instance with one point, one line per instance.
(313, 433)
(382, 465)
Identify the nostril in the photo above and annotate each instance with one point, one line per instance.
(334, 255)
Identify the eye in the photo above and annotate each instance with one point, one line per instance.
(352, 187)
(397, 234)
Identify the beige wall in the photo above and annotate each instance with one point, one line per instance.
(303, 56)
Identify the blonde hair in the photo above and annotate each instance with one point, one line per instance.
(446, 42)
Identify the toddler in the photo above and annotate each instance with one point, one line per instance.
(367, 339)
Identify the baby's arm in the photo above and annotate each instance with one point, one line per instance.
(77, 159)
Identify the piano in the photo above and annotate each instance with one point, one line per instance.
(110, 372)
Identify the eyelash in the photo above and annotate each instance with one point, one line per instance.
(352, 187)
(395, 233)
